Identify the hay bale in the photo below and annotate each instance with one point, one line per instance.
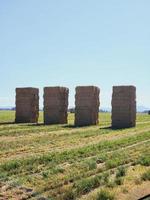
(55, 105)
(123, 106)
(27, 105)
(86, 105)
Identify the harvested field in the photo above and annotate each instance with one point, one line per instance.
(62, 162)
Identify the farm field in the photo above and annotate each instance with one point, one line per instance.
(62, 162)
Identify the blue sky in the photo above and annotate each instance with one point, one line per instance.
(74, 42)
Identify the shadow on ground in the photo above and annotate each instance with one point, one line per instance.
(6, 123)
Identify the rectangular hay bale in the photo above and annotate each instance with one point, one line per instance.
(86, 105)
(123, 106)
(55, 105)
(27, 105)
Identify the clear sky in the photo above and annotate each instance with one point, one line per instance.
(74, 42)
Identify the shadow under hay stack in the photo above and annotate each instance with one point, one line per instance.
(86, 105)
(55, 105)
(123, 107)
(27, 105)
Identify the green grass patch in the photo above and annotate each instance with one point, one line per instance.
(146, 176)
(104, 195)
(144, 160)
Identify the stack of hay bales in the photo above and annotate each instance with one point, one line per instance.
(123, 107)
(55, 105)
(86, 105)
(27, 105)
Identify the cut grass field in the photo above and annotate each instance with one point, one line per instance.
(63, 162)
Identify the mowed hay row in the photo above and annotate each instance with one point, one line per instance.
(123, 107)
(55, 105)
(86, 105)
(27, 105)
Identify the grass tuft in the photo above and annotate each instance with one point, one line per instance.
(144, 160)
(105, 195)
(121, 171)
(146, 176)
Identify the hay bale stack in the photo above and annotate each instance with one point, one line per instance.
(55, 105)
(27, 105)
(86, 105)
(123, 107)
